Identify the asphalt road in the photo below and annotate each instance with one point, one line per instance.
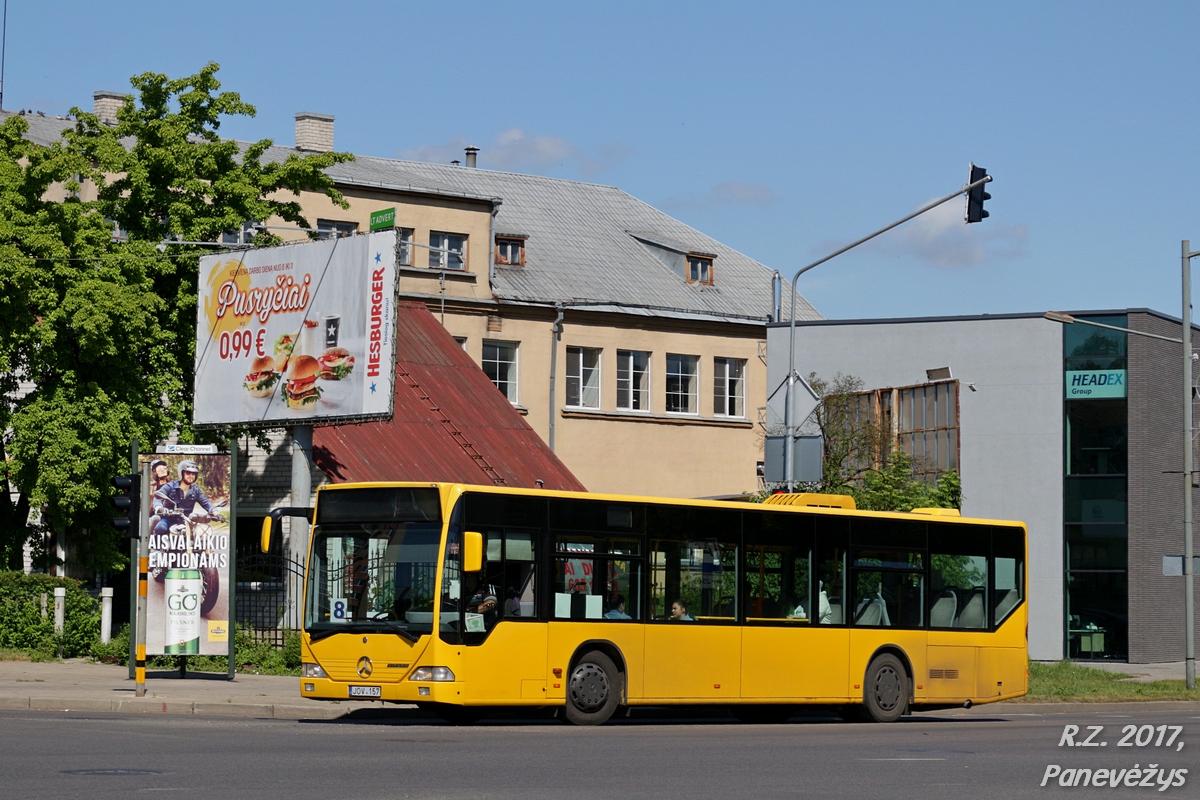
(954, 756)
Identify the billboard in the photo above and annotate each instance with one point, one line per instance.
(190, 555)
(298, 334)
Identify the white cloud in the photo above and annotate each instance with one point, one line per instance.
(942, 239)
(515, 150)
(726, 193)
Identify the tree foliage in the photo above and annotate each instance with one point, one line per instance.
(97, 333)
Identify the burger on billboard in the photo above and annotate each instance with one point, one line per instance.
(298, 333)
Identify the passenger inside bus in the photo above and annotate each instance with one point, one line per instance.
(679, 612)
(618, 609)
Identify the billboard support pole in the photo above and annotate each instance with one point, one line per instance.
(133, 577)
(143, 568)
(302, 438)
(232, 582)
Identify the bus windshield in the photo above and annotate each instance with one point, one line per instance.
(374, 559)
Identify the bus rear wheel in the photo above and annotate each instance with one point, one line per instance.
(885, 690)
(593, 690)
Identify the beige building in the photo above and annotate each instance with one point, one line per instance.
(633, 343)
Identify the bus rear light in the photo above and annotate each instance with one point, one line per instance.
(435, 674)
(312, 671)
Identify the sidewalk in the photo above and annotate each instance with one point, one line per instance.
(79, 685)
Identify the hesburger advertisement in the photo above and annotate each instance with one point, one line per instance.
(298, 333)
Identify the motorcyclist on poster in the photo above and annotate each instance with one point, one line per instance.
(183, 495)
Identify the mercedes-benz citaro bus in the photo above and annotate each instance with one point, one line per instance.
(467, 598)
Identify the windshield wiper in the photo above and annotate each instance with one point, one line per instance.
(357, 626)
(396, 626)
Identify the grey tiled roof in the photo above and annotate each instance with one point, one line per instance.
(588, 244)
(43, 129)
(583, 246)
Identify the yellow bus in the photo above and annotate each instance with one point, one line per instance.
(466, 598)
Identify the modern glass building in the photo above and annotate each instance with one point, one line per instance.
(1095, 488)
(1072, 428)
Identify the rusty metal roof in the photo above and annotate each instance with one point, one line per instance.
(450, 423)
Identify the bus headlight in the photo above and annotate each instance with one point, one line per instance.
(312, 671)
(435, 674)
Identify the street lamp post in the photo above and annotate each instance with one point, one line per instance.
(1188, 457)
(789, 443)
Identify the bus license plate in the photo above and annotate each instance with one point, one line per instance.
(365, 691)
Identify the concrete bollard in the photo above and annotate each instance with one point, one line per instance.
(106, 597)
(60, 605)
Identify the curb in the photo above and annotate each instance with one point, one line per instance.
(150, 705)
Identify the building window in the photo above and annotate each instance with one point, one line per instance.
(583, 377)
(404, 237)
(336, 227)
(729, 387)
(242, 235)
(700, 269)
(447, 250)
(633, 380)
(510, 252)
(500, 365)
(682, 382)
(462, 341)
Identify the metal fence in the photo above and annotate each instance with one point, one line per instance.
(269, 591)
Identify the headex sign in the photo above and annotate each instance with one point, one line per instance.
(297, 334)
(1090, 384)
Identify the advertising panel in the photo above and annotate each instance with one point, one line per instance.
(299, 334)
(190, 555)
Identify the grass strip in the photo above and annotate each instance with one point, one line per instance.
(1068, 682)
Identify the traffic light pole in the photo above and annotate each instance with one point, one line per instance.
(789, 442)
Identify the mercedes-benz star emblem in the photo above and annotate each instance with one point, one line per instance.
(364, 667)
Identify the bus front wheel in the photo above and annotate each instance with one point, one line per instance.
(593, 690)
(885, 692)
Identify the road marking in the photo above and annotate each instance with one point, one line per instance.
(901, 759)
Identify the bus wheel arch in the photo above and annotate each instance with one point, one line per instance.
(596, 683)
(887, 685)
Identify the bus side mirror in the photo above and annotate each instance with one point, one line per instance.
(265, 543)
(472, 551)
(273, 518)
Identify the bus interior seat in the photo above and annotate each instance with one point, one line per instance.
(1007, 603)
(944, 609)
(835, 611)
(872, 611)
(972, 614)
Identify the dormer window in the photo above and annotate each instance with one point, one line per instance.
(700, 269)
(510, 251)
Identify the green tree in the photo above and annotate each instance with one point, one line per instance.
(853, 438)
(97, 334)
(895, 487)
(859, 456)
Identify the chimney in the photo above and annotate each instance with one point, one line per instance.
(106, 104)
(471, 151)
(314, 132)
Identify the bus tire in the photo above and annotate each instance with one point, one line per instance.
(593, 690)
(885, 689)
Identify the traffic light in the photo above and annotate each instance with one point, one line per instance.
(976, 196)
(128, 501)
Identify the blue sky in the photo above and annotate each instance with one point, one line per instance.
(784, 129)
